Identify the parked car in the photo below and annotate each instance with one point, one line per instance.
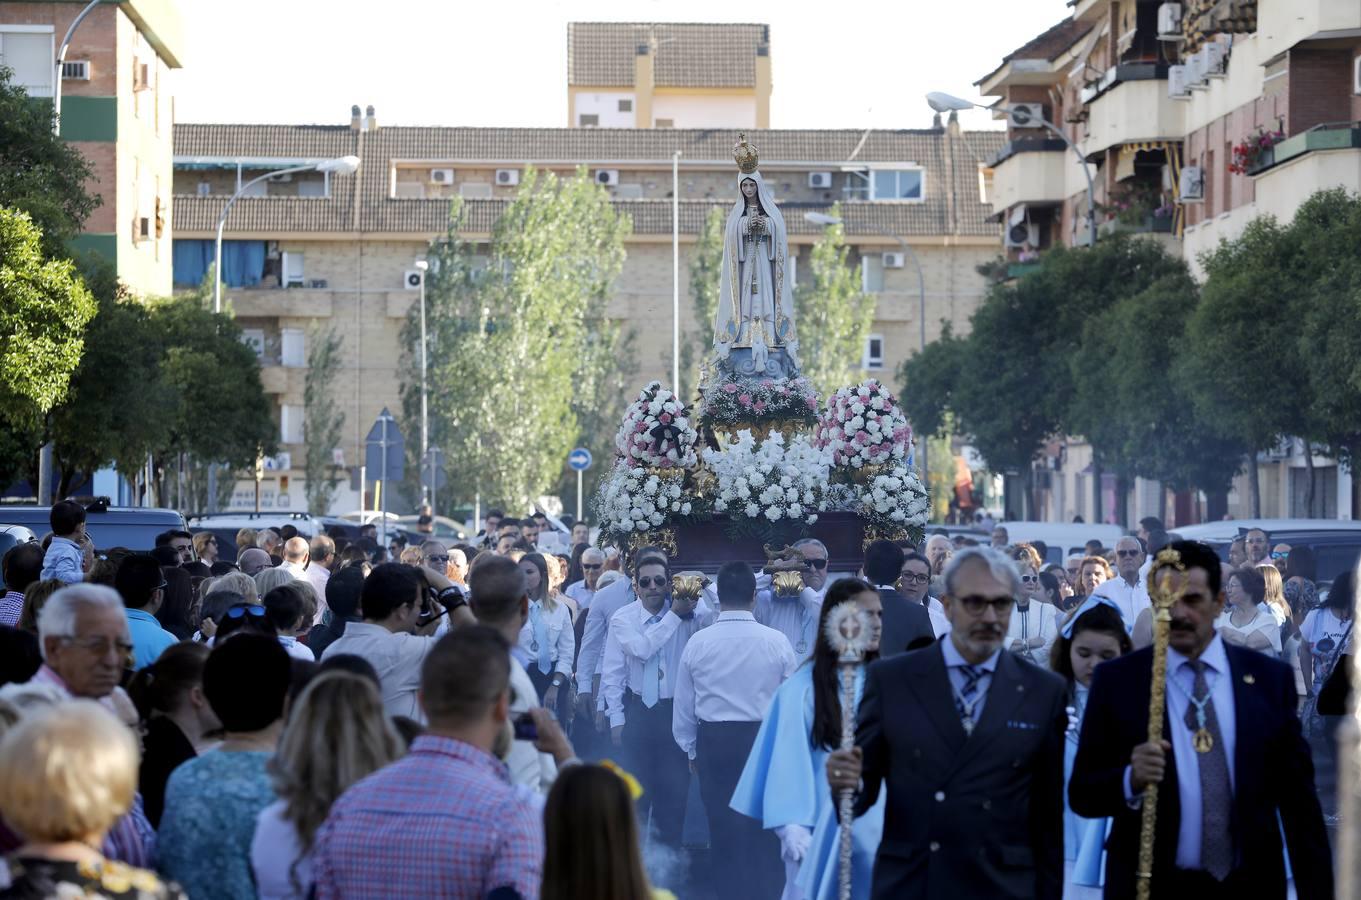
(1062, 538)
(134, 527)
(1336, 543)
(226, 525)
(10, 535)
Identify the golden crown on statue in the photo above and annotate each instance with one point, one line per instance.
(745, 154)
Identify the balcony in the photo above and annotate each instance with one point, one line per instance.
(277, 379)
(1281, 25)
(1321, 158)
(303, 303)
(1130, 105)
(1034, 171)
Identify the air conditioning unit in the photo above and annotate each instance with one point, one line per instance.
(141, 77)
(1192, 184)
(820, 180)
(1176, 83)
(1216, 59)
(607, 177)
(1195, 70)
(1169, 22)
(508, 176)
(441, 176)
(894, 260)
(1025, 115)
(1022, 235)
(76, 69)
(412, 279)
(142, 228)
(282, 178)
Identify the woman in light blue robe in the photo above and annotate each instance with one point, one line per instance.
(784, 783)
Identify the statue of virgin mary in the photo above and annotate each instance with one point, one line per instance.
(756, 300)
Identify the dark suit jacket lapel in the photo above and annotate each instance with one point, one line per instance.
(1005, 693)
(931, 684)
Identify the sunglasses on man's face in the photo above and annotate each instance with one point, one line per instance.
(437, 559)
(658, 581)
(591, 567)
(817, 563)
(1128, 552)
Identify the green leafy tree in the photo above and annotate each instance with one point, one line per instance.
(44, 309)
(322, 419)
(510, 337)
(706, 262)
(834, 314)
(927, 381)
(40, 173)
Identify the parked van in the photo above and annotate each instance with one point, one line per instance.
(1062, 538)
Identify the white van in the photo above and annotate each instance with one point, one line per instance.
(1062, 538)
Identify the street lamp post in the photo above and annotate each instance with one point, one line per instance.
(823, 219)
(341, 165)
(675, 271)
(942, 102)
(61, 63)
(427, 489)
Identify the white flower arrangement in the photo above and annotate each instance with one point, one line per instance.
(631, 498)
(656, 431)
(864, 426)
(894, 500)
(770, 483)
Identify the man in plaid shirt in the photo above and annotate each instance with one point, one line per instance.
(445, 820)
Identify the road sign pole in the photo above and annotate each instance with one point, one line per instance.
(579, 480)
(383, 529)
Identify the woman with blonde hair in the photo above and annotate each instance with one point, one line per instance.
(337, 733)
(1092, 571)
(205, 547)
(67, 774)
(1275, 593)
(547, 638)
(245, 538)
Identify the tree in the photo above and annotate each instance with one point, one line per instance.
(834, 314)
(322, 419)
(44, 308)
(927, 380)
(40, 173)
(511, 335)
(706, 263)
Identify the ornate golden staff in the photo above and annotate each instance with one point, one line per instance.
(1162, 599)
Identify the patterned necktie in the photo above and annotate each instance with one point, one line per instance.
(1216, 796)
(966, 699)
(540, 628)
(652, 672)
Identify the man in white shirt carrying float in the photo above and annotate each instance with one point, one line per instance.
(728, 673)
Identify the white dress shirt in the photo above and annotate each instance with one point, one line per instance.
(1131, 598)
(728, 673)
(936, 610)
(527, 765)
(606, 602)
(1219, 679)
(294, 569)
(579, 592)
(397, 657)
(296, 650)
(562, 639)
(794, 617)
(274, 851)
(954, 663)
(317, 576)
(1039, 620)
(631, 642)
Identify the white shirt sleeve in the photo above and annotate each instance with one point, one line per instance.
(592, 639)
(567, 640)
(684, 723)
(613, 676)
(643, 643)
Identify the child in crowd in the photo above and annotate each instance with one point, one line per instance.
(65, 556)
(1094, 633)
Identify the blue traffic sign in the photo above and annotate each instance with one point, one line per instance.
(579, 459)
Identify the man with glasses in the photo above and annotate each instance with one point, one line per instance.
(1126, 590)
(1256, 542)
(915, 585)
(85, 643)
(969, 739)
(142, 586)
(905, 624)
(815, 565)
(435, 555)
(643, 647)
(583, 591)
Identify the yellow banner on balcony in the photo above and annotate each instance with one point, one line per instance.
(1124, 162)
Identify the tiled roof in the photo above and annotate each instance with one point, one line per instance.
(517, 147)
(1048, 45)
(601, 54)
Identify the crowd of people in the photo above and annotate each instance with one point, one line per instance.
(334, 718)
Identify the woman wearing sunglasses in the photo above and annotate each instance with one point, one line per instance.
(1034, 622)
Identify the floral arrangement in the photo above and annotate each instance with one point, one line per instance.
(864, 426)
(729, 402)
(895, 500)
(1249, 152)
(656, 431)
(632, 499)
(770, 488)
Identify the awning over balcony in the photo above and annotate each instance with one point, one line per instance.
(1124, 163)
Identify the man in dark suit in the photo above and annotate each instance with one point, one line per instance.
(969, 740)
(1233, 761)
(905, 622)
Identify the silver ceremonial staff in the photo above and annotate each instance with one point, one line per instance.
(848, 632)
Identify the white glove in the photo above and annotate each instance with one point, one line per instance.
(794, 842)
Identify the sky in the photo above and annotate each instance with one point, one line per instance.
(854, 63)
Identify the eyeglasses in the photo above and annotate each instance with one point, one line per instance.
(914, 578)
(659, 581)
(1129, 553)
(974, 605)
(591, 567)
(437, 559)
(1279, 554)
(100, 646)
(245, 609)
(817, 563)
(1030, 579)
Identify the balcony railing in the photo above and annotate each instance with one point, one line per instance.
(1328, 136)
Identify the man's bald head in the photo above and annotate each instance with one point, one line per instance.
(295, 549)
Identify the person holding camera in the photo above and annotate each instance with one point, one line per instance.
(401, 624)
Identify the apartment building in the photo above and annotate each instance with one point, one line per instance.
(118, 110)
(1161, 100)
(668, 75)
(340, 250)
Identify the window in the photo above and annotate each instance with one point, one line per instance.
(290, 424)
(896, 184)
(588, 120)
(293, 348)
(254, 338)
(28, 50)
(311, 189)
(259, 189)
(666, 123)
(872, 273)
(874, 352)
(626, 106)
